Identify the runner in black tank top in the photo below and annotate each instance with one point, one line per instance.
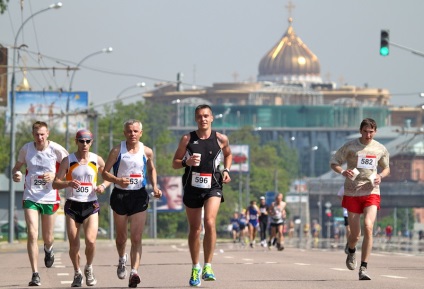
(209, 164)
(200, 153)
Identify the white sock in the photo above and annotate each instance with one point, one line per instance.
(134, 271)
(89, 267)
(78, 271)
(48, 250)
(208, 265)
(197, 266)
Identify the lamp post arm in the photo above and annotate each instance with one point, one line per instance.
(104, 50)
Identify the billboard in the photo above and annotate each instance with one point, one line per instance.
(172, 194)
(240, 158)
(50, 106)
(3, 76)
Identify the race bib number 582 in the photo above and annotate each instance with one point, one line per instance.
(367, 162)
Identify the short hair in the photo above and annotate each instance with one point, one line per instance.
(368, 122)
(132, 121)
(202, 106)
(39, 124)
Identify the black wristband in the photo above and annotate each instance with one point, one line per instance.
(226, 170)
(183, 163)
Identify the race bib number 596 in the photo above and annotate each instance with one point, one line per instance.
(201, 180)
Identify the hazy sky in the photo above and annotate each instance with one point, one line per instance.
(211, 41)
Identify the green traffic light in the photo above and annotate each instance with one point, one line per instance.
(384, 51)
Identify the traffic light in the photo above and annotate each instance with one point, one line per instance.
(384, 42)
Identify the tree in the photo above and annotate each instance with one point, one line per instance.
(3, 6)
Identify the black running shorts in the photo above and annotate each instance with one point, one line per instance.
(195, 198)
(129, 202)
(79, 211)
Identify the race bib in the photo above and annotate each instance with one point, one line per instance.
(38, 183)
(201, 180)
(367, 162)
(83, 190)
(135, 181)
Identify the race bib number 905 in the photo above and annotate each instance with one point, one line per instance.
(201, 180)
(83, 190)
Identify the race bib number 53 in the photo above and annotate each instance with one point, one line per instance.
(135, 181)
(201, 180)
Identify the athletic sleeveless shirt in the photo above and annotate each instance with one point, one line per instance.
(86, 174)
(207, 175)
(37, 163)
(132, 166)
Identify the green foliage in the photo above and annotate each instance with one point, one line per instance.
(271, 164)
(404, 216)
(3, 6)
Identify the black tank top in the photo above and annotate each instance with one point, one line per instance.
(208, 170)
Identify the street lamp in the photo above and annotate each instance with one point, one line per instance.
(12, 120)
(312, 162)
(104, 50)
(177, 102)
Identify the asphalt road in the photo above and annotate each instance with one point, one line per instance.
(166, 264)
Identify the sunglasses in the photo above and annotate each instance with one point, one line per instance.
(84, 141)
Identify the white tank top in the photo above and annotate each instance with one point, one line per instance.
(132, 166)
(37, 163)
(86, 174)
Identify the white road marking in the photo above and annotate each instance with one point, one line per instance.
(247, 259)
(65, 282)
(229, 257)
(394, 276)
(340, 269)
(270, 262)
(302, 264)
(59, 266)
(62, 274)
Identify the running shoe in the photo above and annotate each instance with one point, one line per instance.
(347, 249)
(48, 258)
(280, 247)
(195, 277)
(351, 261)
(89, 277)
(208, 274)
(363, 274)
(121, 271)
(134, 280)
(77, 280)
(35, 280)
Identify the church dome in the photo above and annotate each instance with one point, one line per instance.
(290, 60)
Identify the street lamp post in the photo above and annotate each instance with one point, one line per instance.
(12, 120)
(104, 50)
(177, 102)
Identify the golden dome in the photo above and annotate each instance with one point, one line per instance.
(290, 60)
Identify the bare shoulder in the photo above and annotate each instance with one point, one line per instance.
(222, 138)
(148, 151)
(185, 139)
